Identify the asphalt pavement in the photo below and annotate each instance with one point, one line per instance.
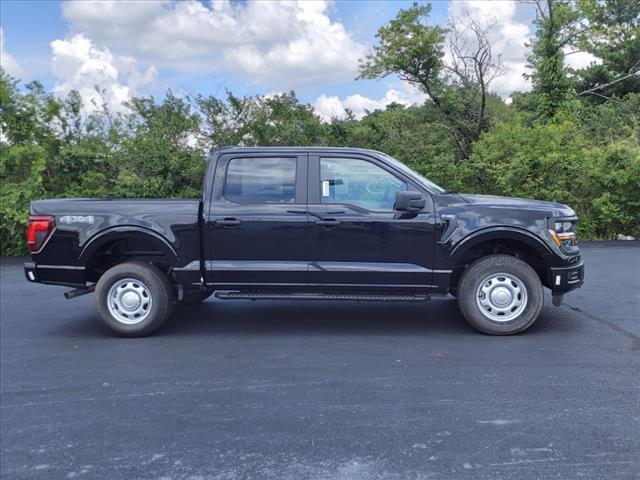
(289, 390)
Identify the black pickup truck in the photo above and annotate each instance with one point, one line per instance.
(308, 223)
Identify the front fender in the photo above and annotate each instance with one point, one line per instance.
(466, 243)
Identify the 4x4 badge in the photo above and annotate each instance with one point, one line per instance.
(68, 219)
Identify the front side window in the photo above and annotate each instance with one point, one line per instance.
(358, 182)
(261, 180)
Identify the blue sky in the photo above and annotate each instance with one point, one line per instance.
(248, 47)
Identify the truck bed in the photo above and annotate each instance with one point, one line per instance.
(83, 225)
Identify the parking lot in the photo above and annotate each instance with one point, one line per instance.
(319, 390)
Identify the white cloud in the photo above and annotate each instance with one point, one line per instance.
(328, 107)
(80, 65)
(507, 24)
(288, 44)
(7, 62)
(578, 59)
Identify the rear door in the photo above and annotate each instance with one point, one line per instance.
(257, 227)
(357, 239)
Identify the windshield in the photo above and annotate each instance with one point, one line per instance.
(415, 175)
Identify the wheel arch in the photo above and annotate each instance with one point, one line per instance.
(127, 232)
(516, 242)
(140, 236)
(499, 233)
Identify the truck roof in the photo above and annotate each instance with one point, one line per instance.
(293, 149)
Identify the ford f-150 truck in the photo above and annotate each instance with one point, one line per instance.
(342, 224)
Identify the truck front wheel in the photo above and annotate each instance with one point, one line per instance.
(500, 295)
(134, 298)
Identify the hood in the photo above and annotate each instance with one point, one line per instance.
(494, 201)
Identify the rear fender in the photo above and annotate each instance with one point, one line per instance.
(128, 232)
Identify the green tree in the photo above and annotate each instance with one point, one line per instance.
(406, 133)
(613, 36)
(460, 88)
(25, 116)
(25, 142)
(268, 121)
(555, 27)
(83, 162)
(160, 156)
(21, 169)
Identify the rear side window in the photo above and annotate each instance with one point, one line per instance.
(261, 180)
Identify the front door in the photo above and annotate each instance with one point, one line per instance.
(357, 240)
(257, 226)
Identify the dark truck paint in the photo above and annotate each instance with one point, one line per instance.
(305, 247)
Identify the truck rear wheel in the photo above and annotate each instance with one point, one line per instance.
(134, 299)
(500, 295)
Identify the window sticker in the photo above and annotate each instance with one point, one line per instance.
(325, 188)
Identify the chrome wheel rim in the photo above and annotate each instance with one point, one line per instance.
(501, 297)
(129, 301)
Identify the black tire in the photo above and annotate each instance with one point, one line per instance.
(193, 298)
(144, 284)
(522, 283)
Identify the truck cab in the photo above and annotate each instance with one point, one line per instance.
(308, 223)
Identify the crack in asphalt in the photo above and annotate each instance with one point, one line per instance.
(634, 338)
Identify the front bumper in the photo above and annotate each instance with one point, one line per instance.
(70, 275)
(565, 279)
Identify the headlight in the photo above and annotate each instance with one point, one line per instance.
(563, 234)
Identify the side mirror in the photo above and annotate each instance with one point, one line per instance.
(409, 201)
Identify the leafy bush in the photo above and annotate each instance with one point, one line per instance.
(562, 161)
(21, 170)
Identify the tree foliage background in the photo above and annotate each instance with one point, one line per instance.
(574, 138)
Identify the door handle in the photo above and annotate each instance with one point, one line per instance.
(228, 222)
(329, 222)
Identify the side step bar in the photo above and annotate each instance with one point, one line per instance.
(361, 297)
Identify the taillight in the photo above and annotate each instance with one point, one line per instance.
(38, 230)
